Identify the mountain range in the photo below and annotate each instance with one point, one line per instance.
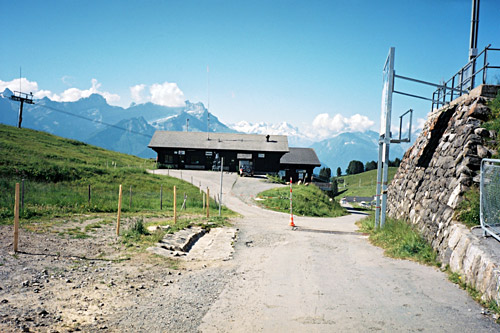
(333, 152)
(129, 130)
(89, 120)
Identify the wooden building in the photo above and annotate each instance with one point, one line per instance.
(298, 164)
(201, 150)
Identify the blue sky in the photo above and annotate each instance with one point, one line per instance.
(269, 60)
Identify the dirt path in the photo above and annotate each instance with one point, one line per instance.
(321, 277)
(325, 277)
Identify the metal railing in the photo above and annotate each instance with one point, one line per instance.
(490, 197)
(466, 79)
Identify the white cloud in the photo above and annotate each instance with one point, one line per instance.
(69, 95)
(420, 123)
(137, 93)
(74, 94)
(324, 126)
(26, 85)
(166, 94)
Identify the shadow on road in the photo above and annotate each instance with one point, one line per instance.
(356, 211)
(334, 232)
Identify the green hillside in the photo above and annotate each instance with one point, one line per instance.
(362, 184)
(58, 173)
(307, 201)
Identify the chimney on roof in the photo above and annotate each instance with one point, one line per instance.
(267, 137)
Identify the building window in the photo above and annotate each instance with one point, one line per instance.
(208, 153)
(182, 152)
(262, 155)
(169, 158)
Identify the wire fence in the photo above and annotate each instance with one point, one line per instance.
(490, 197)
(39, 199)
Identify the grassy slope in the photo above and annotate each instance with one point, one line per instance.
(307, 201)
(366, 188)
(58, 172)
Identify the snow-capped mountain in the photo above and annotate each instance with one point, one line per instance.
(88, 120)
(339, 150)
(295, 137)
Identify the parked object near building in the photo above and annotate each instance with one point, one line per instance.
(246, 168)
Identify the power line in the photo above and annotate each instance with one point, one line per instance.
(93, 120)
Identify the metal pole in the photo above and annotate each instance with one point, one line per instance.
(89, 195)
(379, 182)
(387, 135)
(20, 120)
(161, 197)
(383, 207)
(485, 63)
(474, 27)
(221, 173)
(453, 87)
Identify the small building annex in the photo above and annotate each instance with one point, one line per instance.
(202, 151)
(299, 164)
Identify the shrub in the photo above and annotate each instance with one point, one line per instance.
(400, 240)
(468, 210)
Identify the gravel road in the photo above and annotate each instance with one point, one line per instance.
(322, 277)
(325, 277)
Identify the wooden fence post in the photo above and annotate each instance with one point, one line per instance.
(89, 195)
(119, 211)
(161, 197)
(208, 202)
(175, 205)
(16, 218)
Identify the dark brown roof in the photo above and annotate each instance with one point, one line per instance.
(303, 156)
(219, 141)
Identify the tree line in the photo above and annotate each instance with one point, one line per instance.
(356, 167)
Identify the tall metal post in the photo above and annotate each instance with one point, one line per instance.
(474, 26)
(379, 183)
(385, 173)
(385, 136)
(22, 97)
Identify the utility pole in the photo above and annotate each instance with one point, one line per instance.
(187, 124)
(474, 27)
(22, 97)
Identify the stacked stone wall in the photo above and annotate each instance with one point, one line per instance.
(434, 174)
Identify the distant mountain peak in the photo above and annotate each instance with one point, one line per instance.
(7, 93)
(195, 108)
(95, 98)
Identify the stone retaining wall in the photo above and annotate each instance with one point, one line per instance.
(434, 174)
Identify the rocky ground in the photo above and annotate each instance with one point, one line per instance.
(59, 283)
